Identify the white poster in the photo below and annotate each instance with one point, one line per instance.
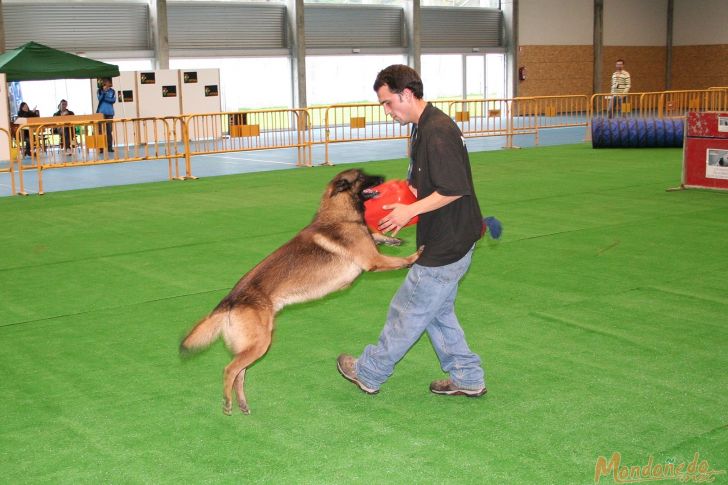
(716, 164)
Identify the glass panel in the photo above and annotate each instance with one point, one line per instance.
(131, 64)
(357, 2)
(461, 3)
(475, 76)
(495, 76)
(344, 79)
(46, 95)
(442, 76)
(240, 80)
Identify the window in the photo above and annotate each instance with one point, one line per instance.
(442, 76)
(247, 82)
(344, 79)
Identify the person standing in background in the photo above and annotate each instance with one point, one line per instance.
(621, 82)
(107, 97)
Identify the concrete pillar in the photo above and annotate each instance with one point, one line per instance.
(297, 42)
(412, 25)
(668, 45)
(510, 34)
(598, 43)
(160, 35)
(2, 29)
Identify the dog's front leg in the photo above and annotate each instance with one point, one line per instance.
(381, 262)
(380, 238)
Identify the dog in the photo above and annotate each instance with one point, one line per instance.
(325, 256)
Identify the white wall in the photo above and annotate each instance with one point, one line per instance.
(555, 22)
(635, 23)
(701, 22)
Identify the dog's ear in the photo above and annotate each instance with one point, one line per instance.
(340, 185)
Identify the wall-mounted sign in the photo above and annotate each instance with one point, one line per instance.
(126, 96)
(169, 91)
(211, 90)
(190, 77)
(147, 78)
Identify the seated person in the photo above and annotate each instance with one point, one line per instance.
(66, 135)
(26, 112)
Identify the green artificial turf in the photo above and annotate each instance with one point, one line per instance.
(601, 317)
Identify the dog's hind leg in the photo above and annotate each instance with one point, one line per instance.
(240, 392)
(249, 336)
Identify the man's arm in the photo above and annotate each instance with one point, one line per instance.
(401, 214)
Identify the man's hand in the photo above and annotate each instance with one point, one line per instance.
(397, 219)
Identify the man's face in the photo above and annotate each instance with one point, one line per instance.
(397, 105)
(620, 66)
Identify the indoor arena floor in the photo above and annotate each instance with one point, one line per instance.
(601, 318)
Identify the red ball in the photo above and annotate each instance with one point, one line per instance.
(390, 192)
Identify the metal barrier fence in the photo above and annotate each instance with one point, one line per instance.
(359, 122)
(13, 159)
(60, 145)
(482, 117)
(248, 130)
(659, 104)
(74, 144)
(538, 113)
(517, 116)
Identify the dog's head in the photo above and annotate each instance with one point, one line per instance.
(355, 184)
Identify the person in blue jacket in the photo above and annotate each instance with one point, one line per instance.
(107, 97)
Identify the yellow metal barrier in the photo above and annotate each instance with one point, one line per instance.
(11, 161)
(482, 117)
(211, 133)
(532, 114)
(625, 105)
(358, 122)
(659, 104)
(59, 145)
(72, 144)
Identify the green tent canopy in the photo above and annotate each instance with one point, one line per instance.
(36, 62)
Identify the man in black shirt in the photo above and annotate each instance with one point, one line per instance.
(449, 225)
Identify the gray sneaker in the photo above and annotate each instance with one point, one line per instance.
(347, 367)
(447, 388)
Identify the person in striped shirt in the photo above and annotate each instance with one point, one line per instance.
(621, 82)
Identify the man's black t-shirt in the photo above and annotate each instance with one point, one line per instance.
(440, 163)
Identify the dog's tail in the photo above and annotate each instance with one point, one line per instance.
(204, 333)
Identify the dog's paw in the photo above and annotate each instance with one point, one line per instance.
(380, 238)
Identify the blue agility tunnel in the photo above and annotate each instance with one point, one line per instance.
(637, 132)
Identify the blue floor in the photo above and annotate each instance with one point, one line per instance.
(256, 161)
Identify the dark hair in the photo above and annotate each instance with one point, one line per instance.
(23, 104)
(620, 60)
(399, 77)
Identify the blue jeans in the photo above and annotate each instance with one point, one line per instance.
(424, 302)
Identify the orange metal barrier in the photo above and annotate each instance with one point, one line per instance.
(627, 105)
(659, 104)
(72, 144)
(482, 117)
(532, 114)
(58, 145)
(12, 161)
(248, 130)
(358, 122)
